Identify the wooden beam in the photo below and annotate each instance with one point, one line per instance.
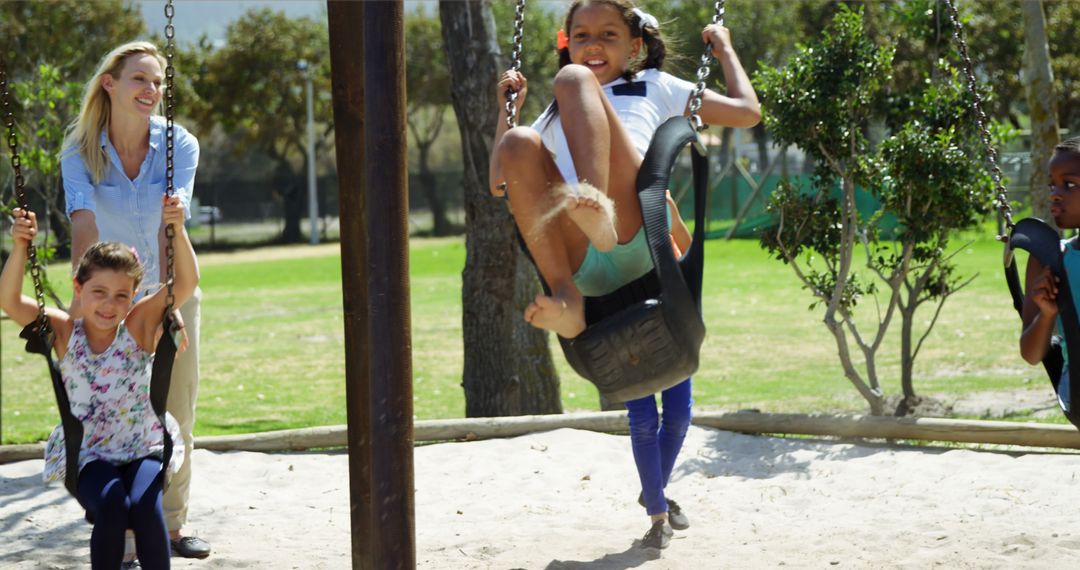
(346, 36)
(389, 422)
(891, 427)
(1028, 434)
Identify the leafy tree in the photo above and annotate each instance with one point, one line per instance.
(45, 97)
(1061, 18)
(823, 101)
(70, 35)
(935, 183)
(760, 37)
(995, 35)
(253, 89)
(47, 71)
(428, 84)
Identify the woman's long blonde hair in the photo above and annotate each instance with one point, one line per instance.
(84, 134)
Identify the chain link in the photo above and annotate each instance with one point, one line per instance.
(20, 196)
(170, 74)
(703, 73)
(1001, 199)
(515, 62)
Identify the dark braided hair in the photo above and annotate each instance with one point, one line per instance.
(110, 255)
(1071, 145)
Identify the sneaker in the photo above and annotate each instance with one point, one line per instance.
(190, 547)
(659, 536)
(677, 518)
(125, 565)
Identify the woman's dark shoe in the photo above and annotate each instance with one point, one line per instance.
(659, 536)
(190, 547)
(128, 564)
(677, 518)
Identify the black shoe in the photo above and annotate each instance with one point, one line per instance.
(677, 518)
(659, 536)
(128, 564)
(190, 547)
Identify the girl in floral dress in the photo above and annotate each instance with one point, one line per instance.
(106, 359)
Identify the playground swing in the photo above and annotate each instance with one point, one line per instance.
(39, 335)
(646, 336)
(1030, 234)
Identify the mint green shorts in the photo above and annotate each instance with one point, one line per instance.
(602, 273)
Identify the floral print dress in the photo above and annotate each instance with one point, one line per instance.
(109, 393)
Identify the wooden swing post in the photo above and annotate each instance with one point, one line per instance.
(367, 49)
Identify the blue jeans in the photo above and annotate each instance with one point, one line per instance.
(656, 441)
(121, 497)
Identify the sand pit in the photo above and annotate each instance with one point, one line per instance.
(565, 499)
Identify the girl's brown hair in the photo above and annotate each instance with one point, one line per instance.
(110, 255)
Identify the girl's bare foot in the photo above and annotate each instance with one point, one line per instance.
(565, 318)
(594, 214)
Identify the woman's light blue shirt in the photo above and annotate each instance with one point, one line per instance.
(126, 210)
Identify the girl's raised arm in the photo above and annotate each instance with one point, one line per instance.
(22, 309)
(515, 81)
(147, 314)
(739, 107)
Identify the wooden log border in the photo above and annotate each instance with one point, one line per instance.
(1028, 434)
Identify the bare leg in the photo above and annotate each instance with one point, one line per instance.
(555, 242)
(603, 154)
(594, 213)
(558, 227)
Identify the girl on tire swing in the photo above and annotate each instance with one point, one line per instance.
(570, 179)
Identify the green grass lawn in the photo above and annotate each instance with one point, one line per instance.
(273, 349)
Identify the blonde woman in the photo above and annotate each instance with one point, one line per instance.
(114, 178)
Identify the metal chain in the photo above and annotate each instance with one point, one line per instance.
(20, 195)
(170, 73)
(515, 62)
(703, 74)
(1001, 199)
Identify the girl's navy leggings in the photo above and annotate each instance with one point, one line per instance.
(121, 497)
(656, 440)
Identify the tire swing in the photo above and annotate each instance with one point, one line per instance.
(646, 336)
(1031, 235)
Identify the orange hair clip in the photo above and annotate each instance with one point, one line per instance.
(561, 41)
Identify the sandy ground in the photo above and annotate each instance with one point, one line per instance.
(566, 500)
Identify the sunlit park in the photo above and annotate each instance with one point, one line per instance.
(552, 284)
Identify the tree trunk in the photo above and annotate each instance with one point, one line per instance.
(727, 156)
(868, 388)
(508, 364)
(293, 203)
(441, 225)
(761, 137)
(1041, 101)
(907, 361)
(293, 208)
